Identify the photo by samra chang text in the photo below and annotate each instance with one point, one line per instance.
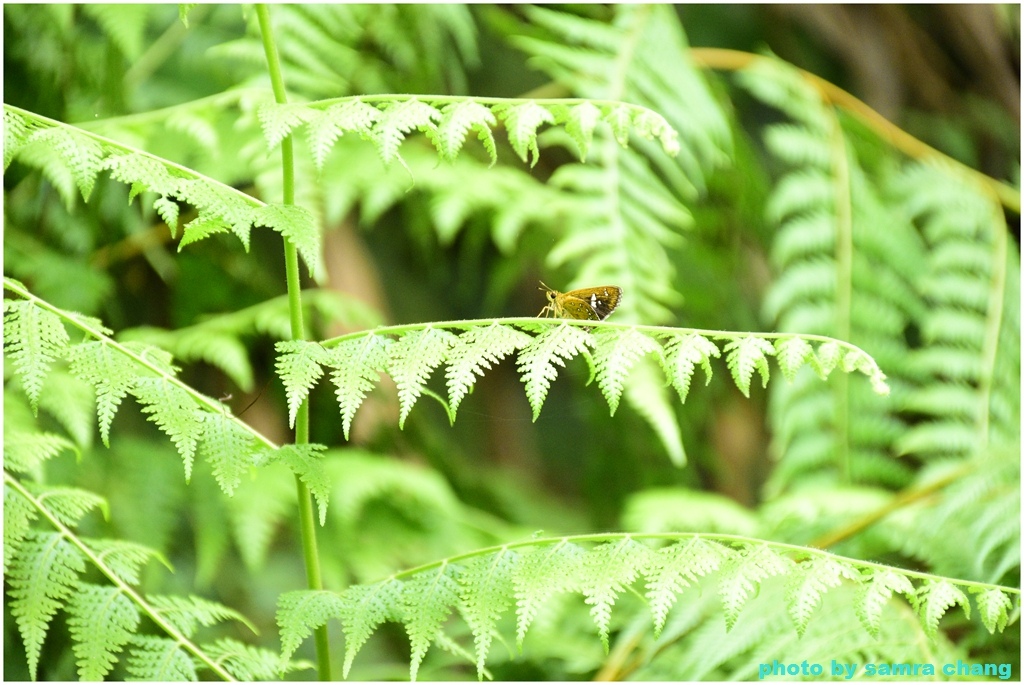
(959, 669)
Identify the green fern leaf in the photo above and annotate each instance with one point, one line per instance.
(217, 202)
(521, 122)
(682, 354)
(457, 119)
(742, 576)
(486, 591)
(542, 573)
(228, 447)
(825, 359)
(674, 568)
(792, 354)
(159, 659)
(580, 122)
(298, 225)
(617, 351)
(16, 131)
(300, 612)
(537, 360)
(398, 119)
(33, 339)
(187, 614)
(412, 359)
(994, 607)
(874, 594)
(278, 121)
(609, 569)
(744, 356)
(326, 127)
(18, 515)
(41, 578)
(110, 373)
(932, 599)
(167, 210)
(357, 364)
(306, 462)
(80, 153)
(809, 584)
(248, 663)
(24, 451)
(69, 505)
(201, 228)
(364, 607)
(101, 620)
(124, 559)
(142, 172)
(478, 349)
(175, 412)
(427, 601)
(299, 367)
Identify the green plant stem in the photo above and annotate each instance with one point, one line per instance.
(115, 579)
(307, 522)
(844, 288)
(734, 60)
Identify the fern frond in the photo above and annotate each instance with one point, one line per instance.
(69, 155)
(249, 663)
(228, 447)
(436, 594)
(157, 658)
(124, 559)
(298, 225)
(300, 612)
(875, 593)
(535, 573)
(306, 462)
(478, 349)
(18, 516)
(457, 120)
(934, 598)
(175, 413)
(810, 583)
(69, 505)
(682, 354)
(33, 339)
(187, 614)
(25, 451)
(357, 364)
(742, 576)
(363, 608)
(299, 366)
(42, 576)
(744, 356)
(111, 375)
(994, 607)
(387, 120)
(102, 621)
(615, 354)
(412, 359)
(674, 568)
(543, 572)
(486, 591)
(538, 359)
(607, 570)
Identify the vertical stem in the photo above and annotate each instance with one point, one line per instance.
(844, 287)
(307, 522)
